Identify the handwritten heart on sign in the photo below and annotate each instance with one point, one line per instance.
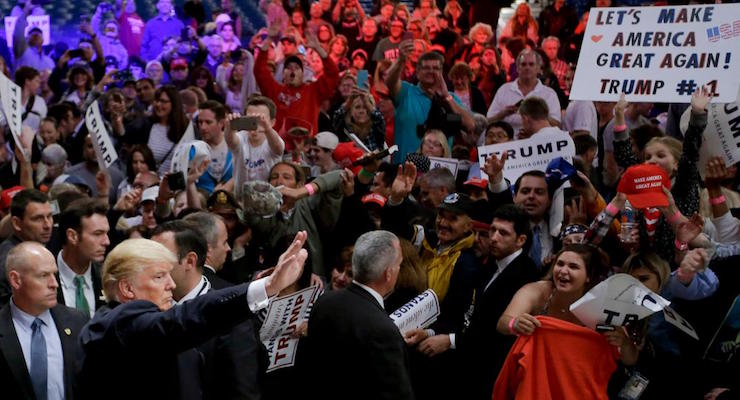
(596, 38)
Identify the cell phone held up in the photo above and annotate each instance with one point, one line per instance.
(76, 53)
(244, 124)
(176, 181)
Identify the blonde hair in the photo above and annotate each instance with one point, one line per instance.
(368, 101)
(674, 145)
(439, 135)
(478, 26)
(650, 261)
(129, 258)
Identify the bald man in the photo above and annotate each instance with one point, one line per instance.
(38, 337)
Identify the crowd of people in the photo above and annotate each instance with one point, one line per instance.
(308, 147)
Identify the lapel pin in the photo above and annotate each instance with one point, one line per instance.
(68, 331)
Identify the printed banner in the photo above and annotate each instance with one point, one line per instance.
(451, 164)
(659, 54)
(102, 143)
(420, 312)
(10, 95)
(284, 316)
(42, 22)
(528, 154)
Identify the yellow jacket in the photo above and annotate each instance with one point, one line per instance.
(439, 266)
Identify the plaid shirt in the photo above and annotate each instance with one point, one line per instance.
(560, 69)
(599, 228)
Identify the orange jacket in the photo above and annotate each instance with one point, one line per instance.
(560, 360)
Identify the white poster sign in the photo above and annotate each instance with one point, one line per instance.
(529, 154)
(420, 312)
(659, 54)
(39, 21)
(10, 96)
(102, 143)
(284, 316)
(450, 164)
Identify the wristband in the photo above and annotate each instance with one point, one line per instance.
(715, 201)
(620, 128)
(511, 327)
(612, 209)
(309, 188)
(366, 174)
(673, 218)
(681, 246)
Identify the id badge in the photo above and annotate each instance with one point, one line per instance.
(634, 387)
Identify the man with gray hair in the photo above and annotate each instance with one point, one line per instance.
(351, 337)
(54, 158)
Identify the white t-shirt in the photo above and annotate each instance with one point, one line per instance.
(219, 153)
(509, 94)
(257, 160)
(161, 145)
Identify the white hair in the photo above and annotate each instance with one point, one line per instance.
(374, 253)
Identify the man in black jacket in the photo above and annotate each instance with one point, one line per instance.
(351, 337)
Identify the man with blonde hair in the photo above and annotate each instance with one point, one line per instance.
(138, 339)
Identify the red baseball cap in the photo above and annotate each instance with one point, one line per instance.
(345, 154)
(643, 185)
(7, 196)
(374, 198)
(477, 182)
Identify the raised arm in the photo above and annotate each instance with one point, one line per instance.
(393, 80)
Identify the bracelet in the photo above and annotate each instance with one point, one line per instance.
(612, 209)
(309, 188)
(511, 327)
(673, 218)
(366, 174)
(620, 128)
(715, 201)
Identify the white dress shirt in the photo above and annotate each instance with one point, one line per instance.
(54, 356)
(201, 288)
(502, 264)
(372, 291)
(69, 290)
(509, 94)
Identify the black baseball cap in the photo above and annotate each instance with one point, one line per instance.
(293, 59)
(458, 203)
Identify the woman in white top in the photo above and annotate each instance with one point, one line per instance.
(33, 106)
(81, 82)
(169, 123)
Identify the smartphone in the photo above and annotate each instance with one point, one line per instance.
(184, 34)
(244, 124)
(363, 82)
(176, 181)
(76, 53)
(569, 194)
(604, 328)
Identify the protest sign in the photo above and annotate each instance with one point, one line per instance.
(42, 22)
(726, 340)
(450, 164)
(102, 143)
(284, 316)
(529, 154)
(620, 300)
(659, 54)
(10, 96)
(420, 312)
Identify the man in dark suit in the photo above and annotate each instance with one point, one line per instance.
(38, 337)
(32, 220)
(138, 339)
(84, 235)
(212, 227)
(509, 268)
(231, 363)
(350, 336)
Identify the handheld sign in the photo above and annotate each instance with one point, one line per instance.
(528, 154)
(10, 95)
(721, 135)
(659, 54)
(102, 143)
(284, 316)
(450, 164)
(420, 312)
(32, 21)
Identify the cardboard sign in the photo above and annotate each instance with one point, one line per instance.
(43, 22)
(726, 340)
(529, 154)
(284, 316)
(102, 143)
(450, 164)
(10, 96)
(659, 54)
(420, 312)
(679, 322)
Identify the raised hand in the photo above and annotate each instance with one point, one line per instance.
(404, 182)
(700, 99)
(716, 172)
(129, 201)
(688, 229)
(693, 262)
(348, 182)
(575, 212)
(494, 167)
(405, 49)
(289, 266)
(229, 118)
(619, 110)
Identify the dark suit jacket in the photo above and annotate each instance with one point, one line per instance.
(5, 247)
(217, 282)
(15, 380)
(482, 348)
(96, 276)
(351, 339)
(139, 345)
